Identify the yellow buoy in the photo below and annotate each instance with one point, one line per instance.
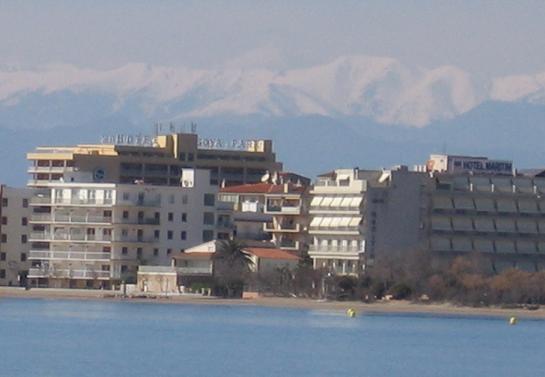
(351, 313)
(513, 321)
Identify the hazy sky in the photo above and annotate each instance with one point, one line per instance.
(488, 38)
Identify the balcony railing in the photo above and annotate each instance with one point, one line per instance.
(39, 200)
(68, 273)
(335, 249)
(81, 201)
(280, 227)
(47, 217)
(69, 255)
(62, 236)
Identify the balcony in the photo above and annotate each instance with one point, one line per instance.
(335, 250)
(288, 210)
(64, 236)
(71, 219)
(289, 244)
(83, 202)
(281, 227)
(68, 273)
(134, 239)
(49, 169)
(80, 254)
(40, 200)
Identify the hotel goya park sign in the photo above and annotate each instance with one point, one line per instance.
(235, 144)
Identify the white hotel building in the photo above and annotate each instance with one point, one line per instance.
(96, 234)
(336, 231)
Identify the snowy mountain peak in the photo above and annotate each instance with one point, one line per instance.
(380, 88)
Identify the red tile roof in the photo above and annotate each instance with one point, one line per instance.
(267, 253)
(262, 188)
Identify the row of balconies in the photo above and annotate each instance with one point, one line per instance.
(82, 255)
(66, 273)
(84, 237)
(46, 200)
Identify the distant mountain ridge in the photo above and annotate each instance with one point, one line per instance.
(355, 111)
(381, 89)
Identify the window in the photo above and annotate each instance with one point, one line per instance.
(126, 197)
(183, 235)
(2, 274)
(106, 249)
(25, 203)
(182, 156)
(124, 268)
(2, 256)
(23, 238)
(4, 220)
(169, 234)
(124, 232)
(105, 267)
(4, 202)
(171, 216)
(169, 251)
(125, 214)
(184, 199)
(23, 257)
(124, 250)
(24, 221)
(209, 200)
(207, 235)
(190, 157)
(208, 218)
(139, 252)
(184, 217)
(155, 252)
(4, 238)
(171, 199)
(156, 234)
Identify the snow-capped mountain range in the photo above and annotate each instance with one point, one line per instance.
(381, 89)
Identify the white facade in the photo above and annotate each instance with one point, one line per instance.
(93, 234)
(336, 214)
(14, 229)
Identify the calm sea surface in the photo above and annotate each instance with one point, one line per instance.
(84, 338)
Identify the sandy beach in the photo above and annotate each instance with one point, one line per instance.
(399, 307)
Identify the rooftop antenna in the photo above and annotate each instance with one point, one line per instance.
(193, 128)
(156, 127)
(171, 127)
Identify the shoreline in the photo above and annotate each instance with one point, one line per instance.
(381, 307)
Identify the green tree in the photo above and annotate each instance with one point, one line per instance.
(232, 266)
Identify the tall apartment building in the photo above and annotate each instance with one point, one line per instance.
(155, 161)
(96, 234)
(500, 216)
(14, 230)
(273, 211)
(337, 210)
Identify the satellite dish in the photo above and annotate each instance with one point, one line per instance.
(266, 177)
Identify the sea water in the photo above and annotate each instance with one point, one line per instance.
(58, 338)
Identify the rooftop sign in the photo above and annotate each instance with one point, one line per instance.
(122, 139)
(235, 144)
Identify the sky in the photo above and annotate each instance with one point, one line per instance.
(487, 39)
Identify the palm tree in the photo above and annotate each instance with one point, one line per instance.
(232, 265)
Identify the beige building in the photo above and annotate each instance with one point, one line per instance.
(97, 234)
(155, 161)
(14, 230)
(267, 211)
